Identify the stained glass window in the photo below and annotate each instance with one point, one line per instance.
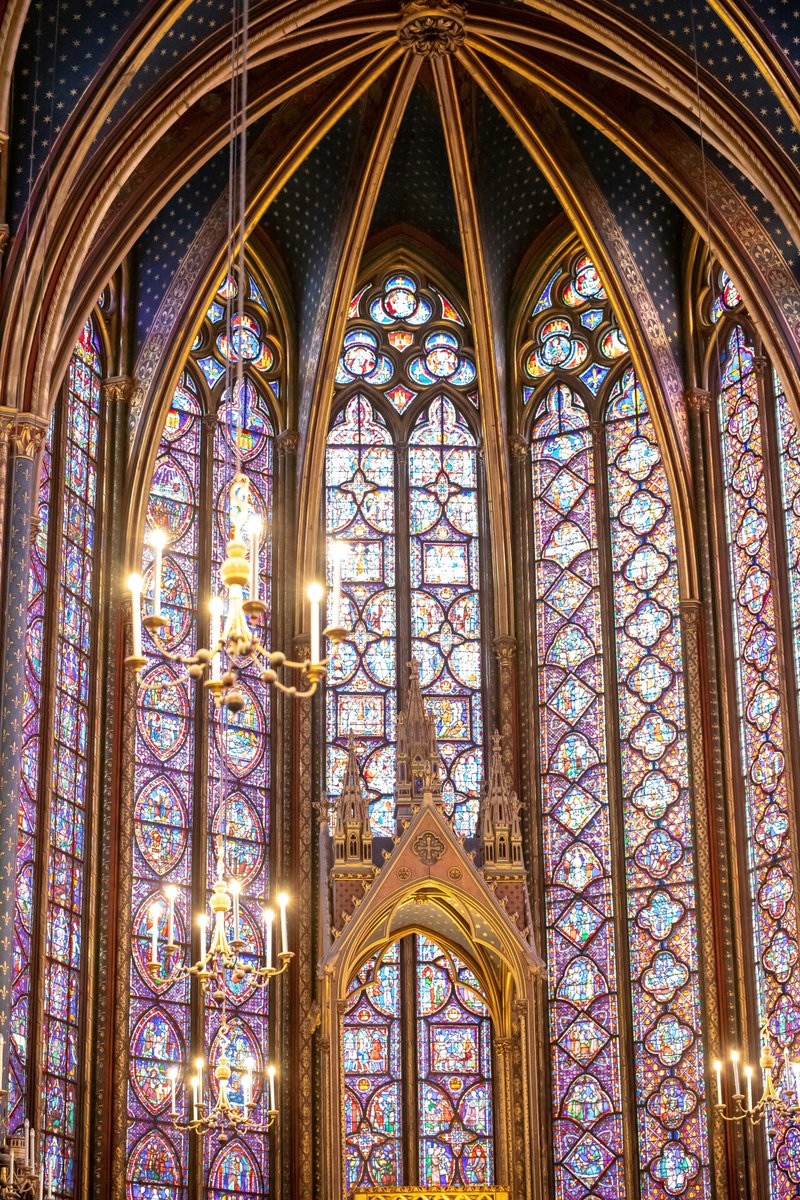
(454, 1063)
(404, 495)
(761, 714)
(56, 776)
(71, 763)
(443, 1091)
(589, 586)
(371, 1055)
(28, 829)
(581, 938)
(192, 476)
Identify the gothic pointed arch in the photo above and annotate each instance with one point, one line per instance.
(404, 493)
(613, 767)
(748, 426)
(430, 895)
(203, 782)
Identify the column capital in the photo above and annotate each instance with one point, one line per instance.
(517, 446)
(288, 442)
(117, 389)
(505, 647)
(23, 432)
(697, 400)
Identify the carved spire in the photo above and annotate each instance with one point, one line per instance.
(352, 837)
(353, 868)
(501, 832)
(418, 762)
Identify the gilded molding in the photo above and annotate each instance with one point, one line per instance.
(432, 30)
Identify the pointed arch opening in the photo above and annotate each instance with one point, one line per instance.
(202, 788)
(404, 493)
(625, 1010)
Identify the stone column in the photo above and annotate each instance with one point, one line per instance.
(24, 436)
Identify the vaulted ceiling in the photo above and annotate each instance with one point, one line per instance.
(571, 111)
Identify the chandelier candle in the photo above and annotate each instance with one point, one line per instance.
(283, 900)
(158, 540)
(254, 529)
(269, 917)
(135, 585)
(315, 594)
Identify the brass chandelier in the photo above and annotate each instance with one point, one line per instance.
(225, 959)
(780, 1087)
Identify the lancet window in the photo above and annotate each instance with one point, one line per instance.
(57, 778)
(403, 493)
(755, 429)
(417, 1060)
(191, 760)
(622, 936)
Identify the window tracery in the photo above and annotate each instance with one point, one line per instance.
(758, 443)
(226, 774)
(447, 1100)
(62, 600)
(402, 490)
(608, 651)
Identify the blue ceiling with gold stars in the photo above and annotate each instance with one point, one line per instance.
(66, 43)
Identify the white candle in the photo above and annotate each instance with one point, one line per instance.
(135, 584)
(198, 1062)
(787, 1070)
(158, 540)
(338, 551)
(202, 925)
(173, 1087)
(11, 1165)
(195, 1097)
(26, 1134)
(735, 1061)
(796, 1073)
(748, 1074)
(271, 1074)
(254, 529)
(718, 1073)
(215, 607)
(41, 1185)
(235, 889)
(247, 1089)
(155, 917)
(269, 917)
(171, 892)
(31, 1148)
(283, 900)
(315, 595)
